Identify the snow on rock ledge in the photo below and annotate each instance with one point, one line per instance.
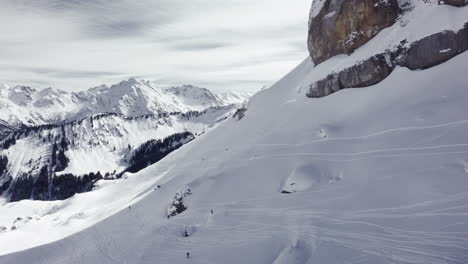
(422, 54)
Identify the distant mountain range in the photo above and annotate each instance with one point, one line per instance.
(23, 105)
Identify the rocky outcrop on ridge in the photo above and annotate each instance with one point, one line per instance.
(419, 55)
(342, 26)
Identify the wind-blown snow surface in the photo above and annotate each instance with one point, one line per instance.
(377, 175)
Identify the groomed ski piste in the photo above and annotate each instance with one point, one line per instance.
(369, 175)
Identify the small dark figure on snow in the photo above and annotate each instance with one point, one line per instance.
(186, 233)
(212, 212)
(129, 208)
(188, 254)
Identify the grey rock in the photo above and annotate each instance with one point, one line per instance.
(457, 3)
(363, 74)
(422, 54)
(325, 87)
(342, 26)
(367, 73)
(462, 36)
(432, 50)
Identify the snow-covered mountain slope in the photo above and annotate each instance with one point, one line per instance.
(103, 144)
(375, 175)
(371, 175)
(132, 98)
(372, 183)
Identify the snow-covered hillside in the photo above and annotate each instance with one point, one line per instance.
(373, 183)
(83, 137)
(25, 105)
(103, 144)
(371, 175)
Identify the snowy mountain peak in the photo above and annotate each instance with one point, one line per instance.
(132, 80)
(129, 83)
(191, 94)
(25, 105)
(96, 89)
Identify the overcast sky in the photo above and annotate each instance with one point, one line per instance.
(218, 44)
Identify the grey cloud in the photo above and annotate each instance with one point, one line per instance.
(194, 46)
(210, 43)
(61, 73)
(105, 18)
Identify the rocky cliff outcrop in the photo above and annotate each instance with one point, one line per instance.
(332, 20)
(365, 73)
(457, 3)
(422, 54)
(436, 49)
(342, 26)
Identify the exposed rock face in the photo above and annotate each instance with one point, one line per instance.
(463, 38)
(422, 54)
(342, 26)
(366, 73)
(458, 3)
(435, 49)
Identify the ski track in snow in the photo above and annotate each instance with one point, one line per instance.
(389, 242)
(380, 133)
(385, 241)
